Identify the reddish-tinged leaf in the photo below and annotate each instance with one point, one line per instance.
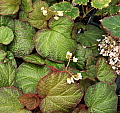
(31, 101)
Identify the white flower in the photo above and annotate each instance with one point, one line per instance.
(70, 80)
(98, 40)
(44, 12)
(75, 59)
(42, 8)
(68, 55)
(78, 76)
(60, 13)
(56, 17)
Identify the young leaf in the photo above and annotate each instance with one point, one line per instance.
(23, 41)
(112, 25)
(30, 100)
(89, 37)
(7, 74)
(6, 35)
(6, 21)
(67, 9)
(9, 101)
(100, 3)
(55, 43)
(57, 94)
(28, 75)
(8, 7)
(36, 17)
(80, 2)
(100, 98)
(104, 72)
(34, 58)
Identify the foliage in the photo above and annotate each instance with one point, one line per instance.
(54, 56)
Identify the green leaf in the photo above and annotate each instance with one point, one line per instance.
(9, 101)
(91, 61)
(67, 9)
(28, 75)
(54, 64)
(112, 25)
(7, 74)
(100, 3)
(34, 58)
(23, 41)
(104, 71)
(26, 5)
(2, 55)
(36, 17)
(30, 100)
(57, 93)
(80, 2)
(6, 35)
(90, 35)
(9, 7)
(23, 16)
(82, 54)
(55, 43)
(6, 21)
(112, 9)
(99, 98)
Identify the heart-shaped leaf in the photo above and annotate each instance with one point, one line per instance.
(34, 58)
(89, 37)
(6, 21)
(28, 75)
(80, 2)
(112, 25)
(100, 3)
(8, 7)
(57, 94)
(9, 101)
(67, 9)
(100, 98)
(7, 74)
(6, 35)
(36, 17)
(104, 72)
(23, 41)
(55, 43)
(30, 100)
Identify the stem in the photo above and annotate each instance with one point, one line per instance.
(88, 12)
(68, 64)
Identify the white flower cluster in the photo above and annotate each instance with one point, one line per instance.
(111, 47)
(59, 13)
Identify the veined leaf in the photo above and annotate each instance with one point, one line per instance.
(23, 41)
(34, 58)
(57, 93)
(89, 37)
(6, 21)
(23, 16)
(100, 98)
(80, 2)
(104, 72)
(9, 7)
(112, 25)
(100, 3)
(6, 35)
(28, 75)
(9, 101)
(2, 55)
(55, 43)
(30, 100)
(7, 74)
(36, 17)
(67, 9)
